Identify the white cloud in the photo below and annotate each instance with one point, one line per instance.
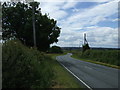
(63, 0)
(114, 20)
(75, 24)
(53, 9)
(103, 36)
(97, 19)
(59, 14)
(96, 36)
(94, 15)
(69, 5)
(75, 0)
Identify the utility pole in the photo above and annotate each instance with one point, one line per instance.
(33, 20)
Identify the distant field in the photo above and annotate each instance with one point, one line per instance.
(104, 56)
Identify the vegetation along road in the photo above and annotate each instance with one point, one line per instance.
(91, 75)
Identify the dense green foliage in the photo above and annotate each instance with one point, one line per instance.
(55, 49)
(25, 68)
(17, 22)
(85, 47)
(105, 56)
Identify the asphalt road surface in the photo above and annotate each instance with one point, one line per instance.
(91, 75)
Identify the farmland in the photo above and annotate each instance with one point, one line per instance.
(101, 56)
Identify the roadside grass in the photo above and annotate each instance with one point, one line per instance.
(96, 62)
(78, 55)
(62, 78)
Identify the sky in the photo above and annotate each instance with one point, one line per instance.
(97, 18)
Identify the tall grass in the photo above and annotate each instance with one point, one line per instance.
(105, 56)
(25, 68)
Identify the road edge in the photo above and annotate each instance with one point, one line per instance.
(75, 75)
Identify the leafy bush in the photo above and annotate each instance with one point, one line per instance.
(55, 49)
(25, 68)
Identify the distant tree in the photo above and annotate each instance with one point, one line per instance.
(85, 47)
(55, 49)
(17, 23)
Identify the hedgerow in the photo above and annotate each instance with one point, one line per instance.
(24, 67)
(105, 56)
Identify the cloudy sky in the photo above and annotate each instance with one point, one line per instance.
(99, 20)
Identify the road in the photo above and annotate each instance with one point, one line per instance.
(92, 75)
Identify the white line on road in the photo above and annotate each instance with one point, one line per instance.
(76, 76)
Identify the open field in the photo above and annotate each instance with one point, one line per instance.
(103, 57)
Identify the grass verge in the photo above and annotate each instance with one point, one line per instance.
(96, 62)
(62, 79)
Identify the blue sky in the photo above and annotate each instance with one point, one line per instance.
(97, 18)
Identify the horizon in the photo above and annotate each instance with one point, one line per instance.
(92, 47)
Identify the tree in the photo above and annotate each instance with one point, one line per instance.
(17, 23)
(85, 47)
(55, 49)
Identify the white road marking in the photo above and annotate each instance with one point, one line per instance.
(76, 76)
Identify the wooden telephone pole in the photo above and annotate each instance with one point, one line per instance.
(33, 20)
